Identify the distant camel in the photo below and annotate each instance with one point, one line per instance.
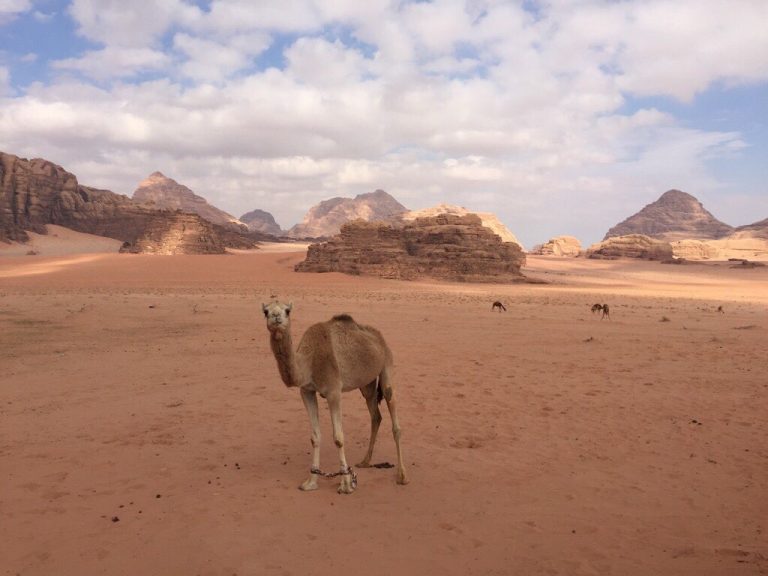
(720, 309)
(606, 311)
(334, 357)
(498, 305)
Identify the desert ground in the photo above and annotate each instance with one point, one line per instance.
(144, 428)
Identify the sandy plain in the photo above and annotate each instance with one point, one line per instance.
(144, 428)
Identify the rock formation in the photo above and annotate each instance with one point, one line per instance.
(631, 246)
(447, 247)
(488, 219)
(559, 246)
(159, 191)
(261, 221)
(36, 192)
(743, 244)
(757, 230)
(674, 216)
(326, 218)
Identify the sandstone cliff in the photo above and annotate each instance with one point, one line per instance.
(36, 192)
(446, 246)
(488, 219)
(559, 246)
(744, 244)
(326, 218)
(631, 246)
(675, 215)
(159, 191)
(261, 221)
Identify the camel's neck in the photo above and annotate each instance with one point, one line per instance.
(282, 348)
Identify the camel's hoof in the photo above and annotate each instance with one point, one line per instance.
(402, 478)
(346, 487)
(363, 464)
(308, 485)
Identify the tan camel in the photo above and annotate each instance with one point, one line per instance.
(334, 357)
(498, 305)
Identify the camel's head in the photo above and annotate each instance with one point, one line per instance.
(278, 317)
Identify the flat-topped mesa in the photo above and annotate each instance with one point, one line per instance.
(444, 247)
(675, 215)
(488, 219)
(631, 246)
(559, 246)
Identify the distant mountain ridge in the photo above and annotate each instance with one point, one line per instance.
(159, 191)
(326, 218)
(34, 193)
(262, 221)
(676, 215)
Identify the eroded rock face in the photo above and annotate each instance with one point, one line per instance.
(675, 215)
(34, 193)
(327, 218)
(488, 219)
(261, 221)
(631, 246)
(159, 191)
(745, 243)
(447, 247)
(560, 246)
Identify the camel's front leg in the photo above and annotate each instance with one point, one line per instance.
(347, 485)
(310, 402)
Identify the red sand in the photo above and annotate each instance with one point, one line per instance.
(539, 441)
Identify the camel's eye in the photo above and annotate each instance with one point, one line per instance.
(266, 314)
(287, 311)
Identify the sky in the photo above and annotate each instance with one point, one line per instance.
(560, 116)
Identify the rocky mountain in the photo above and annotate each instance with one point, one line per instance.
(37, 192)
(675, 215)
(488, 219)
(261, 221)
(631, 246)
(159, 191)
(326, 218)
(447, 247)
(758, 229)
(559, 246)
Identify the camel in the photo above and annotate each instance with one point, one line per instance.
(602, 308)
(498, 305)
(336, 356)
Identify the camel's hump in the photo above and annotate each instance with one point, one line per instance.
(343, 318)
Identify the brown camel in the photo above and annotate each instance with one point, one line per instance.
(498, 305)
(604, 308)
(334, 357)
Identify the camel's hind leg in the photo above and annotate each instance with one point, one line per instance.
(389, 396)
(347, 485)
(370, 393)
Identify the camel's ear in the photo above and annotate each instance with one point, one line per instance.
(264, 309)
(288, 308)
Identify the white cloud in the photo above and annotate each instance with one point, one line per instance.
(11, 9)
(209, 60)
(5, 80)
(137, 23)
(115, 62)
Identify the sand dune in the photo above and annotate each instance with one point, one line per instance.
(144, 428)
